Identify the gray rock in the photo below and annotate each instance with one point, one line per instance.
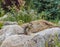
(37, 40)
(19, 41)
(47, 36)
(10, 23)
(12, 29)
(9, 30)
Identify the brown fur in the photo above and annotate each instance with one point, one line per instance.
(36, 26)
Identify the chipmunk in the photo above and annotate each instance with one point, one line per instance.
(36, 26)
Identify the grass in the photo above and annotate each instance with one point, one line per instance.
(52, 42)
(1, 24)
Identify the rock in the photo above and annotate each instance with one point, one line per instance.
(12, 29)
(36, 26)
(9, 30)
(47, 36)
(40, 39)
(10, 23)
(18, 41)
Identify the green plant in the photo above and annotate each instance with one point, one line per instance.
(23, 15)
(49, 8)
(1, 24)
(52, 41)
(2, 12)
(34, 10)
(20, 22)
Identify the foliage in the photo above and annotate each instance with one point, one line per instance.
(20, 22)
(46, 9)
(29, 4)
(2, 12)
(49, 8)
(22, 15)
(1, 24)
(53, 41)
